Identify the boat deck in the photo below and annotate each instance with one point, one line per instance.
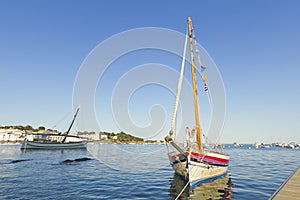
(290, 189)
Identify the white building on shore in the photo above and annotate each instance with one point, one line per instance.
(11, 135)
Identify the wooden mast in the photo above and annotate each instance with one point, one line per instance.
(198, 129)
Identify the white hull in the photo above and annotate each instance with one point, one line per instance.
(53, 145)
(202, 172)
(197, 171)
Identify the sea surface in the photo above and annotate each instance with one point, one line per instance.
(108, 171)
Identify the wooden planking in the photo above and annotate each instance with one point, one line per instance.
(290, 189)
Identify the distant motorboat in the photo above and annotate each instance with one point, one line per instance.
(54, 141)
(291, 145)
(235, 144)
(261, 145)
(279, 144)
(258, 144)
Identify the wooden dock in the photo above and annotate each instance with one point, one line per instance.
(290, 189)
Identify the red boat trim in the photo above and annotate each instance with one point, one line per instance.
(209, 158)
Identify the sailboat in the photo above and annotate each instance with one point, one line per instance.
(54, 141)
(196, 162)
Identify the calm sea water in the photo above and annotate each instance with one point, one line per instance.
(135, 172)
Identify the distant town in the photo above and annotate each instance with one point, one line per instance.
(291, 145)
(16, 134)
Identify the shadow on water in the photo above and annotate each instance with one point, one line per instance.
(9, 161)
(76, 160)
(64, 162)
(55, 156)
(220, 188)
(20, 160)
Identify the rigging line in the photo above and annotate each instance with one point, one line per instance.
(205, 138)
(211, 107)
(167, 148)
(179, 86)
(62, 119)
(205, 84)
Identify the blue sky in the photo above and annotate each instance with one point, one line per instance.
(255, 45)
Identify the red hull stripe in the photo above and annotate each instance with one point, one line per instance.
(209, 158)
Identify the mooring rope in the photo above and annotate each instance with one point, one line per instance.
(182, 190)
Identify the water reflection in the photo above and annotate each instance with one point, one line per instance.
(217, 189)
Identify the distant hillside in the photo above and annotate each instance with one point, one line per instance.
(28, 128)
(119, 138)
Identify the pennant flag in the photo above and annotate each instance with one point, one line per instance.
(202, 67)
(188, 131)
(204, 78)
(199, 62)
(205, 88)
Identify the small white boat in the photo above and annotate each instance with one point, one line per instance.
(194, 162)
(235, 144)
(265, 146)
(54, 141)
